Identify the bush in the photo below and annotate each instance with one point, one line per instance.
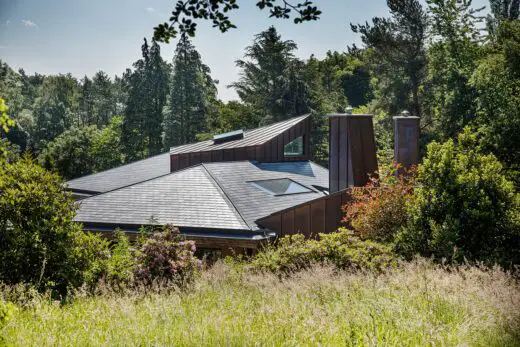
(109, 261)
(165, 257)
(463, 207)
(342, 249)
(378, 210)
(36, 227)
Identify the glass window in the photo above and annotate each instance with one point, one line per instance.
(282, 186)
(294, 148)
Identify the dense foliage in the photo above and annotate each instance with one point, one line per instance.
(342, 249)
(36, 228)
(463, 206)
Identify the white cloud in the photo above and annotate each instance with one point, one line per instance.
(29, 23)
(151, 10)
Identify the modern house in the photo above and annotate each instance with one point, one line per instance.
(238, 190)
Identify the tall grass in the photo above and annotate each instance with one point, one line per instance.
(416, 304)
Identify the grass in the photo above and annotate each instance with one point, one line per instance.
(418, 304)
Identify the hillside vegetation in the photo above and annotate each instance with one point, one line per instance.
(417, 304)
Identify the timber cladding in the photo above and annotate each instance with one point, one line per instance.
(322, 215)
(269, 150)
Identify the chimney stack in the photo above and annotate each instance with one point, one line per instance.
(352, 150)
(406, 139)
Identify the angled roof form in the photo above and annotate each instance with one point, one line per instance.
(251, 138)
(253, 203)
(187, 198)
(122, 176)
(212, 196)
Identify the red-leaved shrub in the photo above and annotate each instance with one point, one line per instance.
(378, 210)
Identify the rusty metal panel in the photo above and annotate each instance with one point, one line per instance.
(174, 163)
(288, 223)
(306, 139)
(250, 153)
(302, 220)
(356, 153)
(273, 223)
(217, 155)
(333, 212)
(195, 158)
(240, 153)
(206, 157)
(184, 161)
(369, 146)
(333, 154)
(343, 149)
(274, 149)
(259, 153)
(229, 154)
(279, 152)
(317, 217)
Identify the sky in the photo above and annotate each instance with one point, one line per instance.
(82, 37)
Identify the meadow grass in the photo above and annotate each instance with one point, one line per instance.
(418, 304)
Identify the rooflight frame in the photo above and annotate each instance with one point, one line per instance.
(270, 192)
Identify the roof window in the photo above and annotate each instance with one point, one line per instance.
(281, 186)
(230, 136)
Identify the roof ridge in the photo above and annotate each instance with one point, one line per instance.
(226, 196)
(118, 167)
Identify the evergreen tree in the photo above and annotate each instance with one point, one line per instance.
(398, 54)
(272, 79)
(147, 90)
(192, 92)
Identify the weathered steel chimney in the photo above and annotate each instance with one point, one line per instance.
(406, 139)
(352, 150)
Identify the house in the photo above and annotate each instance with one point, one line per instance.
(238, 190)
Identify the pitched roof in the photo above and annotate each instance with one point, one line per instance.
(251, 138)
(186, 198)
(212, 195)
(122, 176)
(253, 203)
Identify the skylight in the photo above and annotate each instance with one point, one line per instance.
(232, 135)
(281, 186)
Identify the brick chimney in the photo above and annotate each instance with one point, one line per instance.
(352, 150)
(406, 139)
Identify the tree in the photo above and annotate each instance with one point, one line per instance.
(272, 79)
(192, 91)
(453, 57)
(105, 148)
(69, 153)
(186, 11)
(5, 123)
(36, 227)
(398, 54)
(147, 90)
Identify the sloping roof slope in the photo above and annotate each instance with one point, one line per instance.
(251, 138)
(211, 195)
(187, 198)
(122, 176)
(252, 203)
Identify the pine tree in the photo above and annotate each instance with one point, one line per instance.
(191, 93)
(147, 90)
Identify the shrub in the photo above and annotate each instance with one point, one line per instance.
(342, 249)
(36, 227)
(166, 257)
(463, 206)
(7, 312)
(111, 262)
(378, 210)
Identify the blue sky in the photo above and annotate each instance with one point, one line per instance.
(85, 36)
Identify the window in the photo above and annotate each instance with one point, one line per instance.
(281, 186)
(294, 148)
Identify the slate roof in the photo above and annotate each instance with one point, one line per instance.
(122, 176)
(251, 138)
(211, 195)
(186, 198)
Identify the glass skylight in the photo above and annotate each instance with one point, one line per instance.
(281, 186)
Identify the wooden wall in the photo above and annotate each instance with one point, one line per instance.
(271, 151)
(352, 151)
(322, 215)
